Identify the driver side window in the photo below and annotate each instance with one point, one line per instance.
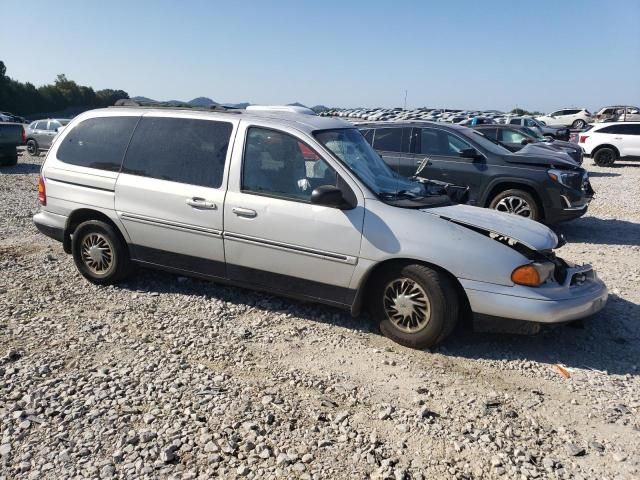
(512, 136)
(278, 164)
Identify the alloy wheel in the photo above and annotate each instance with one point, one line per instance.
(514, 205)
(406, 305)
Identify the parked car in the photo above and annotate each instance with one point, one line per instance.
(514, 138)
(41, 133)
(608, 142)
(619, 113)
(561, 133)
(531, 183)
(576, 118)
(478, 121)
(629, 114)
(232, 197)
(11, 135)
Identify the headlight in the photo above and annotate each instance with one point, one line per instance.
(568, 178)
(532, 274)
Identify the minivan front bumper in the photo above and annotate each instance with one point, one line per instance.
(572, 304)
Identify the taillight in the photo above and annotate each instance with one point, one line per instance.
(24, 135)
(42, 192)
(583, 138)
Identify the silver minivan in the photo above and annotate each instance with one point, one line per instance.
(298, 205)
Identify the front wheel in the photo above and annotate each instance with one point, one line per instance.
(414, 305)
(517, 202)
(99, 253)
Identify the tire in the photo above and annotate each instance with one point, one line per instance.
(605, 157)
(517, 202)
(435, 315)
(578, 124)
(9, 161)
(32, 147)
(114, 264)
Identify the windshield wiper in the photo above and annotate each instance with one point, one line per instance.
(402, 194)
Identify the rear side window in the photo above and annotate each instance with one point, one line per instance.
(514, 121)
(490, 132)
(182, 150)
(41, 125)
(612, 129)
(98, 142)
(633, 129)
(388, 139)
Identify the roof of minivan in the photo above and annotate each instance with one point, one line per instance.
(308, 123)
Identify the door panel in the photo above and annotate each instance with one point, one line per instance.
(166, 229)
(273, 236)
(445, 163)
(170, 194)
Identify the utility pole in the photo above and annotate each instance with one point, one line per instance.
(405, 99)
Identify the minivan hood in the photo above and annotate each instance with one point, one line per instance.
(532, 234)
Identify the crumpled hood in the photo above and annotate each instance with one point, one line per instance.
(532, 155)
(532, 234)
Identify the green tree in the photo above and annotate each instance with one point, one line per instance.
(24, 98)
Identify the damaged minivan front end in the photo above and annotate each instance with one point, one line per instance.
(544, 288)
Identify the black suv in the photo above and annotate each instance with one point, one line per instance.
(515, 138)
(543, 187)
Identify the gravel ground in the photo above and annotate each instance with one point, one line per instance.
(169, 377)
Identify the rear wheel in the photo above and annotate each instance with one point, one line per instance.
(517, 202)
(605, 157)
(414, 305)
(578, 124)
(32, 147)
(99, 253)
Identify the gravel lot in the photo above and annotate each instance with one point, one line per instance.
(169, 377)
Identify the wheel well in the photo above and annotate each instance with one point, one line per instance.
(606, 145)
(368, 281)
(82, 215)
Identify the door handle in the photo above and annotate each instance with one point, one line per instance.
(244, 212)
(617, 138)
(201, 203)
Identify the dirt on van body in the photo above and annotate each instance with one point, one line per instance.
(170, 377)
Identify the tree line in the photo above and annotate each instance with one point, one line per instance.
(24, 98)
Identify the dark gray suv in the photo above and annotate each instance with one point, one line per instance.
(529, 183)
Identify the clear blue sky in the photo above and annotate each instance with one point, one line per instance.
(540, 55)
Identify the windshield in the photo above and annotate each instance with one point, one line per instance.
(350, 147)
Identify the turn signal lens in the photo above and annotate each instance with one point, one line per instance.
(526, 275)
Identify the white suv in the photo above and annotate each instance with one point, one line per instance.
(608, 142)
(299, 205)
(577, 118)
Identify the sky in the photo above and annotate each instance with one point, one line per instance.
(493, 54)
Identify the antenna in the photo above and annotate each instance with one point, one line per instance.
(405, 98)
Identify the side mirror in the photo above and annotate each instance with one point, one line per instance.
(525, 141)
(330, 196)
(470, 153)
